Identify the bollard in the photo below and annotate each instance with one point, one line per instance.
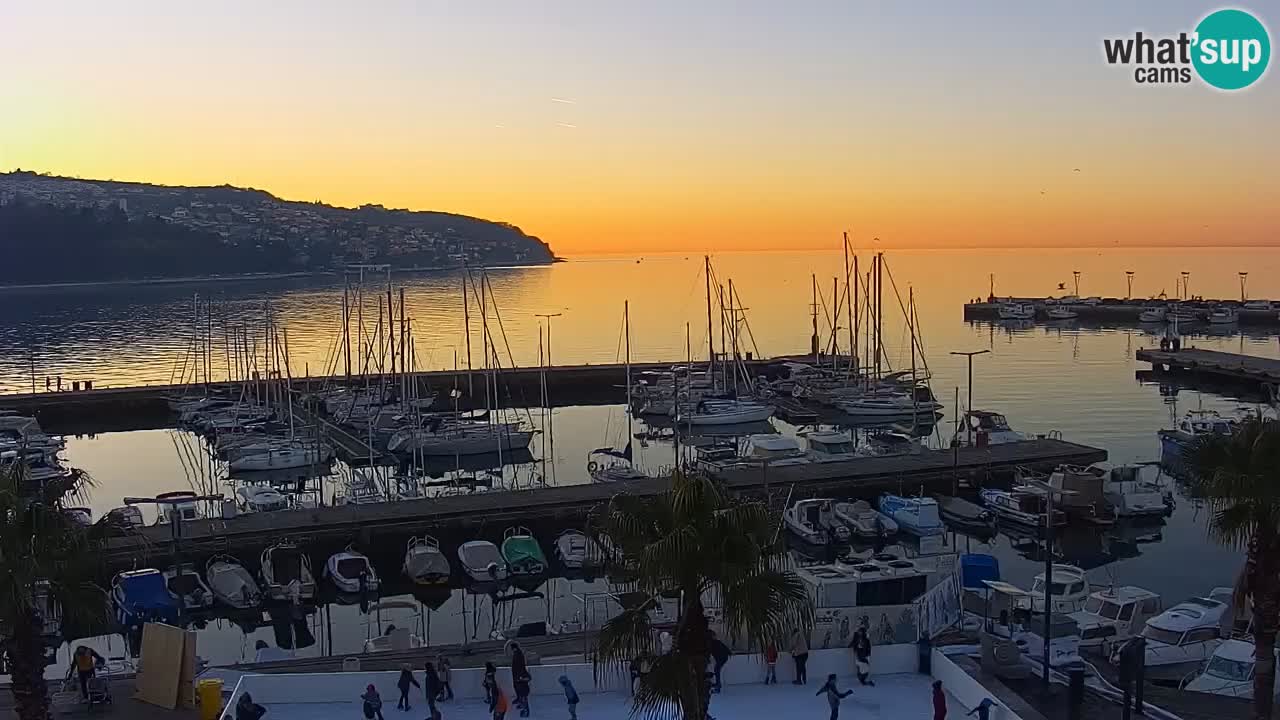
(1075, 694)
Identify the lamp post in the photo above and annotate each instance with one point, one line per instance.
(175, 523)
(1049, 492)
(970, 355)
(1186, 284)
(1128, 276)
(1244, 279)
(1075, 277)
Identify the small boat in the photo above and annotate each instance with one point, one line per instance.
(988, 428)
(775, 449)
(1023, 508)
(1229, 671)
(231, 584)
(1070, 589)
(1196, 424)
(1184, 636)
(180, 504)
(864, 520)
(286, 573)
(522, 552)
(1082, 491)
(351, 572)
(915, 515)
(577, 551)
(1114, 615)
(1258, 305)
(726, 412)
(814, 521)
(140, 596)
(892, 405)
(279, 455)
(1130, 496)
(830, 446)
(187, 587)
(1092, 301)
(1223, 315)
(962, 513)
(261, 498)
(482, 561)
(1061, 312)
(1153, 314)
(424, 563)
(396, 637)
(1016, 311)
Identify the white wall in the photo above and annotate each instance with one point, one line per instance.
(965, 689)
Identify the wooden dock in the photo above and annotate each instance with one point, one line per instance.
(1122, 311)
(471, 516)
(1211, 363)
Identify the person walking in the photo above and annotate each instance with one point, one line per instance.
(431, 687)
(861, 645)
(834, 696)
(770, 664)
(404, 683)
(444, 669)
(372, 703)
(800, 654)
(720, 653)
(939, 701)
(570, 696)
(86, 661)
(520, 679)
(499, 702)
(983, 709)
(490, 684)
(247, 709)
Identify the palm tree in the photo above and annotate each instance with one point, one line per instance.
(1238, 477)
(691, 542)
(40, 547)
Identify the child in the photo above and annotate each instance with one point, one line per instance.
(406, 681)
(570, 697)
(771, 664)
(490, 685)
(834, 696)
(372, 703)
(444, 669)
(939, 701)
(499, 703)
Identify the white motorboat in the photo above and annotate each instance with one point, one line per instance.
(396, 637)
(1258, 305)
(1070, 589)
(609, 465)
(280, 456)
(187, 587)
(351, 572)
(261, 498)
(424, 563)
(182, 504)
(1229, 671)
(482, 561)
(1114, 615)
(814, 521)
(830, 446)
(1223, 315)
(1016, 311)
(577, 551)
(461, 438)
(1153, 314)
(726, 412)
(1061, 312)
(984, 427)
(914, 515)
(1130, 496)
(865, 521)
(1022, 508)
(890, 405)
(286, 573)
(775, 449)
(231, 584)
(1182, 637)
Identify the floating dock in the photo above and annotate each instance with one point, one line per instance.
(1247, 369)
(1122, 311)
(479, 514)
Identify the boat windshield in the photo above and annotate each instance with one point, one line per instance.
(352, 567)
(834, 448)
(1058, 588)
(1168, 637)
(1103, 608)
(1227, 669)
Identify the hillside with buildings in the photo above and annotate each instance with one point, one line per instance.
(56, 229)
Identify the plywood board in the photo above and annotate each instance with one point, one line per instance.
(187, 679)
(160, 665)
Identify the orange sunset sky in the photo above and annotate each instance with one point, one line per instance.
(620, 127)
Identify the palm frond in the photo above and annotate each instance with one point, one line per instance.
(767, 606)
(673, 682)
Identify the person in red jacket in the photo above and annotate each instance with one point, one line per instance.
(939, 701)
(771, 664)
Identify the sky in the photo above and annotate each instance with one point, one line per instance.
(609, 126)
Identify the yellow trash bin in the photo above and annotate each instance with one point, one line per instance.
(209, 695)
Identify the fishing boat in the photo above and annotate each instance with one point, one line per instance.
(865, 521)
(1153, 314)
(187, 588)
(351, 572)
(726, 412)
(482, 561)
(1229, 671)
(1022, 508)
(261, 498)
(461, 437)
(1061, 312)
(914, 515)
(1069, 585)
(1016, 311)
(577, 551)
(231, 584)
(1223, 315)
(1181, 638)
(1114, 615)
(814, 521)
(140, 596)
(522, 552)
(286, 573)
(424, 563)
(964, 514)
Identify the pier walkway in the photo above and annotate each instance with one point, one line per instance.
(1232, 366)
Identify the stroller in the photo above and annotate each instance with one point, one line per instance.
(99, 691)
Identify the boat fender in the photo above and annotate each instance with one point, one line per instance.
(593, 466)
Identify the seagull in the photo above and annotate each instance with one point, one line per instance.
(1076, 170)
(1041, 192)
(1062, 286)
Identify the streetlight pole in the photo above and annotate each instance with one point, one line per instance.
(1186, 284)
(1075, 276)
(1128, 276)
(969, 355)
(1244, 279)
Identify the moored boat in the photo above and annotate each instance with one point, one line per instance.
(482, 561)
(865, 521)
(286, 573)
(231, 584)
(814, 521)
(914, 515)
(523, 554)
(424, 563)
(351, 572)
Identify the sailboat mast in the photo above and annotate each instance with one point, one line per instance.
(857, 316)
(711, 341)
(850, 299)
(813, 315)
(879, 309)
(835, 324)
(346, 326)
(911, 324)
(466, 329)
(626, 331)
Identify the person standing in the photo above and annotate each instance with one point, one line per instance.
(770, 664)
(520, 679)
(431, 687)
(720, 653)
(444, 669)
(570, 696)
(862, 654)
(404, 683)
(939, 701)
(800, 654)
(834, 696)
(490, 685)
(372, 703)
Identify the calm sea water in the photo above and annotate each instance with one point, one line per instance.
(1075, 378)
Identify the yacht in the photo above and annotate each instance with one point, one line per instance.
(891, 405)
(460, 438)
(231, 584)
(988, 428)
(1070, 589)
(814, 521)
(351, 572)
(1061, 312)
(522, 552)
(286, 573)
(424, 563)
(1016, 311)
(726, 412)
(482, 561)
(865, 521)
(1153, 314)
(281, 455)
(1182, 637)
(1223, 315)
(914, 515)
(608, 465)
(1229, 671)
(1114, 615)
(187, 588)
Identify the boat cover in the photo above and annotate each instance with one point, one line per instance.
(976, 567)
(522, 551)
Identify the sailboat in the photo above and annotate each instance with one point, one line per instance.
(606, 464)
